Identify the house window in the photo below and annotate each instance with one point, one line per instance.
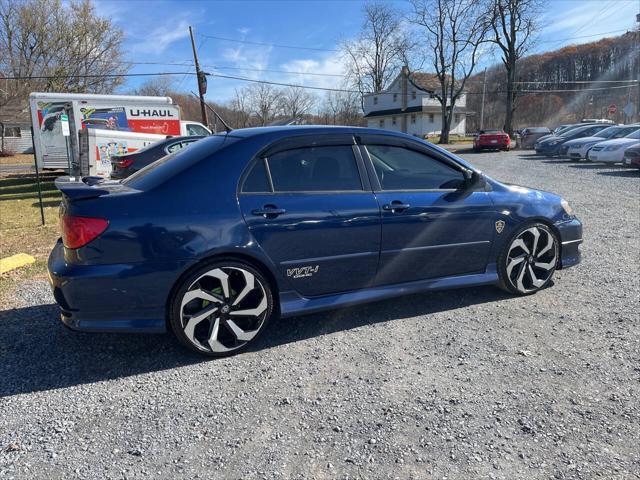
(395, 97)
(12, 132)
(381, 123)
(413, 118)
(431, 117)
(413, 94)
(457, 117)
(375, 100)
(393, 120)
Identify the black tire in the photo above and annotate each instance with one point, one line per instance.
(201, 280)
(529, 282)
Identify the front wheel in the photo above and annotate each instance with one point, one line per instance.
(528, 260)
(221, 308)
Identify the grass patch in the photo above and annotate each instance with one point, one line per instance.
(20, 226)
(17, 159)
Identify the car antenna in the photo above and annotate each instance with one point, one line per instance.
(226, 125)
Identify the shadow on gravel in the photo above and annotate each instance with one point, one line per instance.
(556, 162)
(591, 166)
(621, 173)
(531, 156)
(294, 329)
(38, 353)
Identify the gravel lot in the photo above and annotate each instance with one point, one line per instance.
(460, 384)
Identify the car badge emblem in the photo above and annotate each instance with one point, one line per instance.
(499, 226)
(225, 309)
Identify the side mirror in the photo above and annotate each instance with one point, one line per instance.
(475, 180)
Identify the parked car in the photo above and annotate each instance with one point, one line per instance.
(559, 131)
(491, 140)
(528, 136)
(578, 148)
(553, 145)
(632, 156)
(217, 239)
(129, 163)
(612, 151)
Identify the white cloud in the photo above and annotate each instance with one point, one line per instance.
(332, 67)
(159, 39)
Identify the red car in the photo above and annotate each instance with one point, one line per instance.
(491, 140)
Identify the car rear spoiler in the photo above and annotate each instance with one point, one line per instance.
(77, 188)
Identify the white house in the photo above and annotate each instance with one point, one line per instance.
(422, 114)
(15, 127)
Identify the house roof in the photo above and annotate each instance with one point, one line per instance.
(414, 109)
(427, 81)
(16, 111)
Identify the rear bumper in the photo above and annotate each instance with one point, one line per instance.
(111, 298)
(570, 240)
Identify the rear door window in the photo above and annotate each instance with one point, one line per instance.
(315, 169)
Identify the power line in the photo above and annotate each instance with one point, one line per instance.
(557, 40)
(311, 87)
(276, 45)
(106, 75)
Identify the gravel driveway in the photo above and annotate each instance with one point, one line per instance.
(459, 384)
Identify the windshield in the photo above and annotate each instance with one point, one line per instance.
(608, 132)
(575, 130)
(634, 135)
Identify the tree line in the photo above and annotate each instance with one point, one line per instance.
(601, 61)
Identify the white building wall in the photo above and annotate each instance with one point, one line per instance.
(426, 124)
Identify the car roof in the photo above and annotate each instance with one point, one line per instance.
(309, 129)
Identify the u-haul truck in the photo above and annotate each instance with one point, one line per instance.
(121, 113)
(97, 146)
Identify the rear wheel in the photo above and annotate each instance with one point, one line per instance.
(222, 307)
(528, 260)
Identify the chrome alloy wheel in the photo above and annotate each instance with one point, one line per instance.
(223, 309)
(531, 259)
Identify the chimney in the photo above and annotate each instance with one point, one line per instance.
(404, 80)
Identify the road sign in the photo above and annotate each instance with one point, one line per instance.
(64, 123)
(613, 109)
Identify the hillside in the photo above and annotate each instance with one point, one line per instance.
(614, 58)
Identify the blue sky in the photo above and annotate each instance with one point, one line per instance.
(157, 31)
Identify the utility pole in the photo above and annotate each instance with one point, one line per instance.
(637, 37)
(484, 91)
(404, 100)
(202, 80)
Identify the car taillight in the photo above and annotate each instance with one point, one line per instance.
(127, 162)
(78, 231)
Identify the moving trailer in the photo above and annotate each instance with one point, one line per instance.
(124, 113)
(97, 146)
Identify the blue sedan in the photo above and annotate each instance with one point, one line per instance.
(215, 240)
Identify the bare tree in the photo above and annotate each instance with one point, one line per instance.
(296, 102)
(455, 29)
(156, 87)
(382, 47)
(69, 43)
(239, 105)
(342, 108)
(513, 24)
(264, 98)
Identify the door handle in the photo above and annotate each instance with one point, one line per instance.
(268, 211)
(396, 206)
